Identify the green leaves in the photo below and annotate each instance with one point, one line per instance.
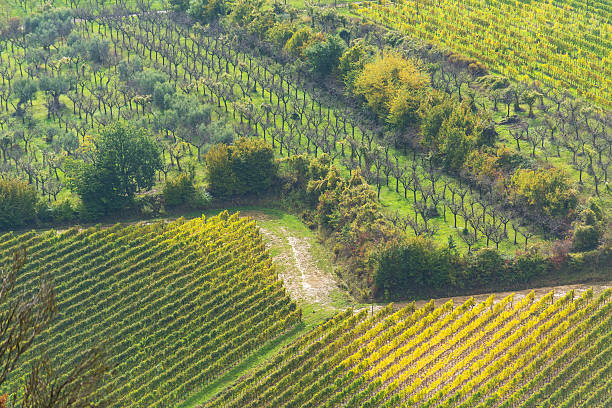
(246, 167)
(125, 160)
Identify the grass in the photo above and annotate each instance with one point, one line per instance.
(311, 317)
(282, 225)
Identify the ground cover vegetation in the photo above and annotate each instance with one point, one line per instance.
(506, 352)
(173, 305)
(428, 140)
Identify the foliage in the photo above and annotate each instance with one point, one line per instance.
(449, 130)
(243, 168)
(300, 40)
(125, 160)
(180, 191)
(323, 56)
(351, 64)
(206, 11)
(548, 190)
(17, 204)
(389, 84)
(409, 267)
(586, 237)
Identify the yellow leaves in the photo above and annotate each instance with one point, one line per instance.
(382, 80)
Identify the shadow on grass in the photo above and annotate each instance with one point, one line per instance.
(244, 368)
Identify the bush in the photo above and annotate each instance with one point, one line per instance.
(180, 191)
(18, 201)
(413, 267)
(527, 266)
(246, 167)
(324, 56)
(485, 267)
(546, 190)
(586, 237)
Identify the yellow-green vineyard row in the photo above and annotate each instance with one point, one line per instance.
(511, 353)
(176, 304)
(563, 44)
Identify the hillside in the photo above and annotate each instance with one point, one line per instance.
(506, 352)
(175, 304)
(562, 44)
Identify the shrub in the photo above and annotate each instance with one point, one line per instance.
(324, 56)
(412, 267)
(180, 191)
(547, 190)
(485, 267)
(18, 201)
(246, 167)
(586, 237)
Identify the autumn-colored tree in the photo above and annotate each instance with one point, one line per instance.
(390, 85)
(548, 190)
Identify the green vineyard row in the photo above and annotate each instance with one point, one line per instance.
(175, 304)
(530, 352)
(562, 44)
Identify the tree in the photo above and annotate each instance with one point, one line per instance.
(25, 90)
(206, 11)
(54, 87)
(125, 159)
(246, 167)
(351, 64)
(323, 56)
(382, 80)
(547, 190)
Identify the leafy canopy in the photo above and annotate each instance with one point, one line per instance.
(124, 160)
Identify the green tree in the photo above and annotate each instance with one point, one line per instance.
(324, 56)
(206, 11)
(180, 191)
(351, 64)
(25, 90)
(125, 159)
(54, 87)
(412, 267)
(179, 5)
(246, 167)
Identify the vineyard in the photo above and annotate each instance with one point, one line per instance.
(562, 44)
(499, 353)
(175, 304)
(253, 92)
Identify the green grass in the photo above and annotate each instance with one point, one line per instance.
(311, 317)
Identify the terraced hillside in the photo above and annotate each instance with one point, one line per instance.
(177, 304)
(563, 44)
(505, 353)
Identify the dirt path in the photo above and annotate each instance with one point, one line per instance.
(302, 277)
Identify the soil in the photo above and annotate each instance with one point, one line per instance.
(304, 280)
